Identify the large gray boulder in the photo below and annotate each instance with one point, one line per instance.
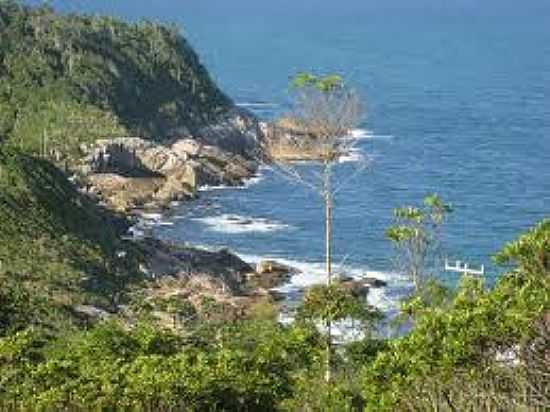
(237, 132)
(161, 159)
(164, 259)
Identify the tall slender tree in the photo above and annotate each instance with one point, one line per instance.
(319, 128)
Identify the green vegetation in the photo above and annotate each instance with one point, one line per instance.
(69, 80)
(479, 349)
(325, 84)
(486, 350)
(57, 247)
(416, 236)
(65, 80)
(245, 367)
(334, 303)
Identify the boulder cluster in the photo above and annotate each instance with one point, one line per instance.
(131, 172)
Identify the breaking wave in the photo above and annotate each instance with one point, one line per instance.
(235, 224)
(313, 273)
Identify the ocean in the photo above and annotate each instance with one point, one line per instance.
(457, 99)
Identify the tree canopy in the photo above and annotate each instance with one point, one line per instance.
(70, 79)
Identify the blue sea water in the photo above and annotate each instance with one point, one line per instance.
(457, 97)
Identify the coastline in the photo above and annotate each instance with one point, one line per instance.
(146, 181)
(228, 224)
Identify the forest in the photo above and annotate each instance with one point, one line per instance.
(68, 80)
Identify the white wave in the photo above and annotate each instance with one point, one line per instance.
(148, 220)
(361, 134)
(314, 273)
(164, 223)
(253, 105)
(151, 216)
(251, 181)
(353, 156)
(207, 188)
(135, 233)
(236, 224)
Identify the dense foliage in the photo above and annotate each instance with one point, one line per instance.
(57, 247)
(241, 367)
(484, 349)
(416, 235)
(70, 79)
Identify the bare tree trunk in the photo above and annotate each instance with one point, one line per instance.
(328, 222)
(328, 360)
(328, 259)
(325, 111)
(44, 144)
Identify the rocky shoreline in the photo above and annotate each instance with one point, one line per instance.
(127, 173)
(142, 179)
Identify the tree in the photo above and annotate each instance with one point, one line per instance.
(416, 235)
(319, 128)
(181, 310)
(486, 350)
(334, 303)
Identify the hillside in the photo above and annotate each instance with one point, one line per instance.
(55, 244)
(65, 80)
(68, 82)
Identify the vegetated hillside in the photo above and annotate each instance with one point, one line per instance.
(475, 349)
(70, 79)
(56, 246)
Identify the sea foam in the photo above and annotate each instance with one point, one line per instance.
(235, 224)
(353, 156)
(363, 134)
(254, 180)
(254, 105)
(313, 273)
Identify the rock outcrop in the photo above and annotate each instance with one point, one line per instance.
(374, 283)
(128, 173)
(131, 172)
(361, 287)
(237, 132)
(270, 274)
(225, 152)
(166, 259)
(286, 140)
(210, 281)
